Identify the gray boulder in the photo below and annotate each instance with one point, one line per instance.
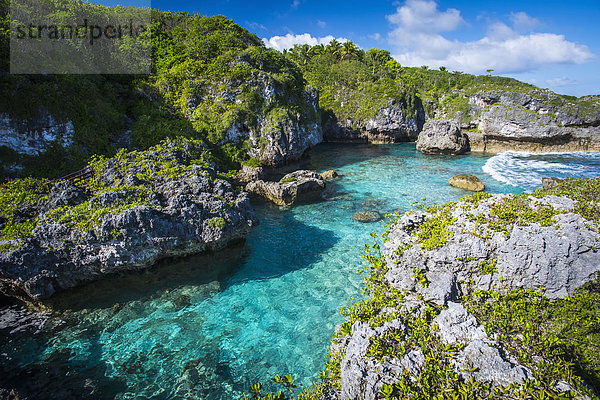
(301, 184)
(480, 357)
(556, 259)
(442, 137)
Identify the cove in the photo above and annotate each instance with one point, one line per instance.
(209, 326)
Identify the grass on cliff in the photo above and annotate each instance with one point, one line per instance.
(21, 200)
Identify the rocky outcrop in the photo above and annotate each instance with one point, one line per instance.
(540, 121)
(139, 208)
(442, 137)
(391, 124)
(554, 258)
(280, 131)
(467, 182)
(298, 185)
(248, 174)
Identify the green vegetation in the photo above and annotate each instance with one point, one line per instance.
(107, 193)
(209, 75)
(18, 202)
(287, 180)
(558, 340)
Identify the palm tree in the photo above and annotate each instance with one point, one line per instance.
(348, 51)
(333, 46)
(318, 50)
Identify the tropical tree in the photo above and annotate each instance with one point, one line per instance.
(348, 51)
(333, 46)
(377, 58)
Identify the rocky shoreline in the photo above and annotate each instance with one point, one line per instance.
(425, 317)
(138, 208)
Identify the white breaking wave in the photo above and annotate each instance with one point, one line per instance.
(526, 170)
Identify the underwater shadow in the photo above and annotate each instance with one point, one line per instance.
(281, 245)
(167, 275)
(57, 376)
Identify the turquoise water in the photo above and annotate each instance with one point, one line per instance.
(209, 326)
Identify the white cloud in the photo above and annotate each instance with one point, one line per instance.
(295, 4)
(321, 24)
(375, 36)
(423, 16)
(523, 22)
(562, 81)
(503, 49)
(288, 41)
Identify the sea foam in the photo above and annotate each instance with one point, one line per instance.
(526, 170)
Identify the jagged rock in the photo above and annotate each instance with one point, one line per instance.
(329, 175)
(390, 125)
(535, 122)
(297, 185)
(35, 136)
(442, 137)
(550, 183)
(480, 357)
(555, 259)
(181, 214)
(278, 136)
(366, 216)
(362, 378)
(249, 174)
(467, 182)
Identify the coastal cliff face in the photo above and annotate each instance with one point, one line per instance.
(390, 124)
(539, 121)
(137, 209)
(269, 119)
(473, 296)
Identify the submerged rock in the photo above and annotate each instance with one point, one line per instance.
(467, 182)
(173, 210)
(442, 137)
(301, 184)
(366, 216)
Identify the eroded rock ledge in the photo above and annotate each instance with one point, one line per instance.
(433, 287)
(138, 208)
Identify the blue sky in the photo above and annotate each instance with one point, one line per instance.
(553, 44)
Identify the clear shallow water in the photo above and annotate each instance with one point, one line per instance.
(209, 326)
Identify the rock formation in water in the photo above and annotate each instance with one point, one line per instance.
(467, 182)
(442, 137)
(298, 185)
(137, 209)
(420, 326)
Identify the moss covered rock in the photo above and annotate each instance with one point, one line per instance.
(138, 208)
(467, 182)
